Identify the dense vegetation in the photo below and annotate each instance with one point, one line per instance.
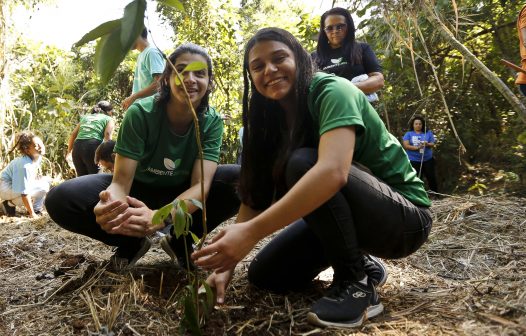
(45, 89)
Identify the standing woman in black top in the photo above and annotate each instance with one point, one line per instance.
(339, 53)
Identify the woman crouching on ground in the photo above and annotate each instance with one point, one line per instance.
(319, 162)
(156, 161)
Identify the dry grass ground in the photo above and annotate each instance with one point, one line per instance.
(468, 279)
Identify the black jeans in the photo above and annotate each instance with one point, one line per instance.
(428, 170)
(71, 203)
(84, 156)
(365, 216)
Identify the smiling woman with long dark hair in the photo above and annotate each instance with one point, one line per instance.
(156, 161)
(318, 162)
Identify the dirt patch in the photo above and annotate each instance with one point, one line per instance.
(468, 279)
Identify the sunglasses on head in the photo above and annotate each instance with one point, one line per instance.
(337, 27)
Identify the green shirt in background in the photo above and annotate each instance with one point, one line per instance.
(335, 102)
(150, 62)
(92, 126)
(164, 158)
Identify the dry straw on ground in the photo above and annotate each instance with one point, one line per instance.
(469, 279)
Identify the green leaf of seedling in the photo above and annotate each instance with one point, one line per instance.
(173, 3)
(179, 222)
(177, 80)
(101, 30)
(195, 66)
(109, 55)
(132, 23)
(195, 238)
(190, 320)
(208, 298)
(182, 205)
(196, 203)
(162, 213)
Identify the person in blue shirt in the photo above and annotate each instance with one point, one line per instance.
(148, 71)
(19, 184)
(419, 143)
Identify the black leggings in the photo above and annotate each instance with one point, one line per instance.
(365, 216)
(71, 203)
(428, 170)
(84, 156)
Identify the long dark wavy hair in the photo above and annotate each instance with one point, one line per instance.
(352, 51)
(267, 139)
(164, 81)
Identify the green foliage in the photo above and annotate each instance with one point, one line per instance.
(176, 4)
(117, 37)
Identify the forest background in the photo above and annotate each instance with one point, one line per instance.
(46, 89)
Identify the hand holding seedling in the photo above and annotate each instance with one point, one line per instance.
(227, 248)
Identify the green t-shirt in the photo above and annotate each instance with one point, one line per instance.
(335, 102)
(150, 62)
(92, 126)
(165, 158)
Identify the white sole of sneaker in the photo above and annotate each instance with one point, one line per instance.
(371, 312)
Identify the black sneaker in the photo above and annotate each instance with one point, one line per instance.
(175, 249)
(9, 210)
(347, 304)
(375, 270)
(126, 257)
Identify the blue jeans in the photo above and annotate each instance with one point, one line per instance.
(365, 216)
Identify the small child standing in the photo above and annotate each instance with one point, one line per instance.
(19, 184)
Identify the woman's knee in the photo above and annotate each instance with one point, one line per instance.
(300, 161)
(264, 278)
(227, 173)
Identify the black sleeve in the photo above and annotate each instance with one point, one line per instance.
(369, 60)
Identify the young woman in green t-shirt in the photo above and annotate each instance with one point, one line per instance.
(304, 135)
(156, 161)
(92, 129)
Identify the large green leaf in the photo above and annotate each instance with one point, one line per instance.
(103, 29)
(179, 222)
(109, 54)
(132, 23)
(195, 66)
(162, 213)
(196, 203)
(172, 3)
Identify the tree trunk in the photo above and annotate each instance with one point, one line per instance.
(490, 76)
(3, 78)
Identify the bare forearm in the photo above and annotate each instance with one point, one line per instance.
(28, 203)
(372, 84)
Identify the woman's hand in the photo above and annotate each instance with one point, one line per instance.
(226, 249)
(108, 210)
(138, 220)
(220, 282)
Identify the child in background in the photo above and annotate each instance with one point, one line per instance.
(104, 155)
(19, 184)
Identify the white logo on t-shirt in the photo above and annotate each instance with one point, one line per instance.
(336, 60)
(171, 165)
